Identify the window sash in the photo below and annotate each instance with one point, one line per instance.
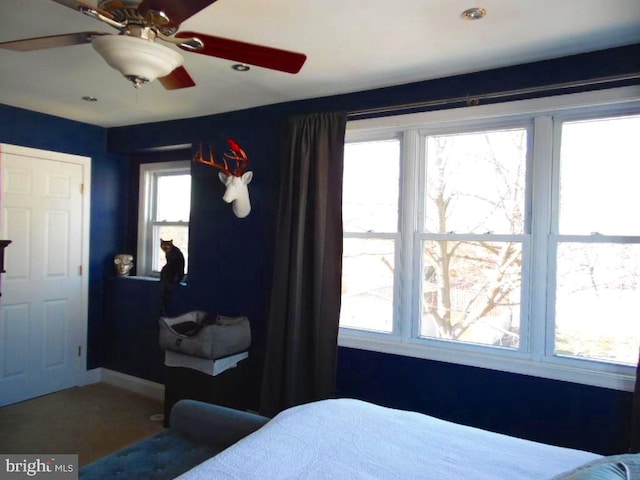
(158, 256)
(523, 240)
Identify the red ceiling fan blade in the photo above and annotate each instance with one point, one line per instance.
(179, 78)
(259, 55)
(176, 11)
(53, 41)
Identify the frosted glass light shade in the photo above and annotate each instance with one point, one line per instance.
(139, 60)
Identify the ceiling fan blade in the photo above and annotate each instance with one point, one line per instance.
(79, 4)
(179, 78)
(259, 55)
(53, 41)
(176, 11)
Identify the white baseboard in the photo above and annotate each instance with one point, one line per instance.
(137, 385)
(90, 376)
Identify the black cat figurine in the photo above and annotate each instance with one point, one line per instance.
(172, 272)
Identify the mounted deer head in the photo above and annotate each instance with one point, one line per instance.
(236, 181)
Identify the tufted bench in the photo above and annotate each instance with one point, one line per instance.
(197, 431)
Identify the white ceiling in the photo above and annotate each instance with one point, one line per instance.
(351, 45)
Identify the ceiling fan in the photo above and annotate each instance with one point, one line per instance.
(135, 51)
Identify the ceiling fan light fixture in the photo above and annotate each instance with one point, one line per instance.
(139, 60)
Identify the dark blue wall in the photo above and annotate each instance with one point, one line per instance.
(549, 411)
(109, 190)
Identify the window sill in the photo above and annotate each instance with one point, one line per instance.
(618, 377)
(141, 278)
(147, 278)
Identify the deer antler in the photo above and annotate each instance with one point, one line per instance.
(199, 157)
(239, 155)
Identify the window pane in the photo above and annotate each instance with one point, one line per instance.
(476, 182)
(173, 198)
(180, 237)
(599, 172)
(598, 300)
(370, 186)
(471, 291)
(367, 284)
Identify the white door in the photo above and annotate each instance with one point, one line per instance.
(42, 308)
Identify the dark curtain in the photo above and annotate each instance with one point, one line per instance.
(302, 328)
(635, 414)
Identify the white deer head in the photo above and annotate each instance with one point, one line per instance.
(236, 181)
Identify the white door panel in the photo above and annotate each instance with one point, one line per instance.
(41, 313)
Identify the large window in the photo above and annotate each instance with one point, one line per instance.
(165, 205)
(502, 236)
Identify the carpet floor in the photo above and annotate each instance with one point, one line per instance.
(91, 421)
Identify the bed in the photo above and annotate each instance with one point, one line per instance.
(351, 439)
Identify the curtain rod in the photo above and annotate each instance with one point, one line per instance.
(473, 100)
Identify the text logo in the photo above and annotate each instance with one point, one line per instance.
(43, 467)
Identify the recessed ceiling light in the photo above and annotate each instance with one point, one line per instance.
(241, 67)
(473, 13)
(87, 98)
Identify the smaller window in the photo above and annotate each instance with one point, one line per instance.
(165, 205)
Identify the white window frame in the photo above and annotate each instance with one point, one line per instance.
(394, 236)
(149, 173)
(536, 357)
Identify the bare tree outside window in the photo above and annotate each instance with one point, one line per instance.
(471, 288)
